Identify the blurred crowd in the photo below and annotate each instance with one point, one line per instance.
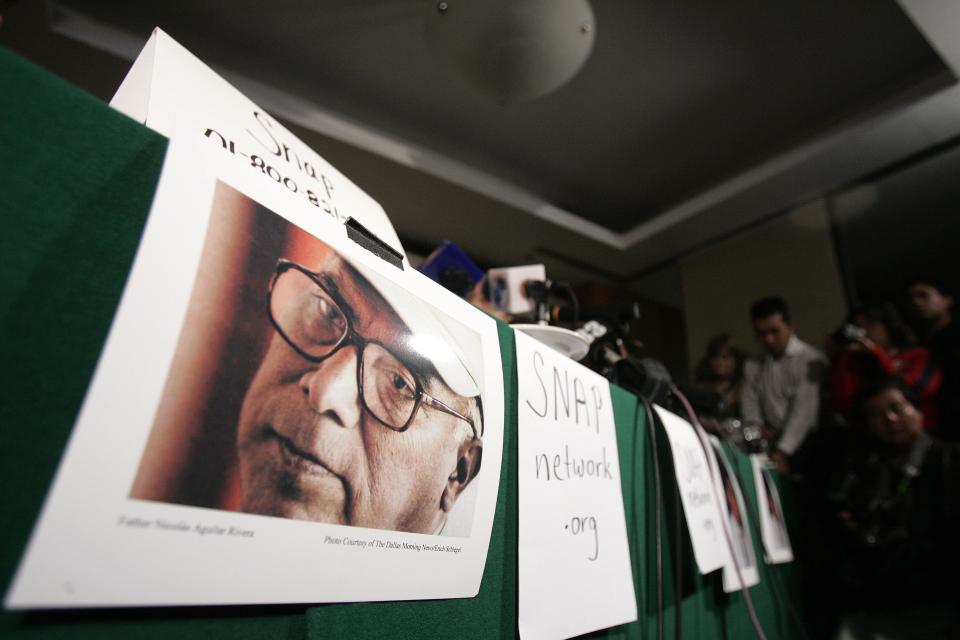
(864, 422)
(867, 425)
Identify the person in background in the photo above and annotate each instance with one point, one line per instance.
(721, 372)
(893, 518)
(931, 304)
(875, 344)
(781, 387)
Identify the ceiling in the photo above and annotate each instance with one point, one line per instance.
(689, 121)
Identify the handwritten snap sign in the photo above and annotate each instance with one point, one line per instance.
(574, 558)
(700, 505)
(173, 92)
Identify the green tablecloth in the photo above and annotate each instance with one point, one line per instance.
(77, 181)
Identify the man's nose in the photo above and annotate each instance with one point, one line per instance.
(331, 388)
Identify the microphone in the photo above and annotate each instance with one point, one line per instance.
(536, 290)
(645, 377)
(543, 291)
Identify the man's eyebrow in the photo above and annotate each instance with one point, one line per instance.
(418, 364)
(333, 288)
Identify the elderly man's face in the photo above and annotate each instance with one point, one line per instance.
(310, 449)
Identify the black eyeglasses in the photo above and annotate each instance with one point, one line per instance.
(308, 317)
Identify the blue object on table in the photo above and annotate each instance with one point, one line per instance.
(452, 268)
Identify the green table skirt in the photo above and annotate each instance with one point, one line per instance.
(77, 182)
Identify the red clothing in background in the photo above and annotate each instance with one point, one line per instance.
(853, 368)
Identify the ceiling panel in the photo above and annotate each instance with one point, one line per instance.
(676, 97)
(689, 123)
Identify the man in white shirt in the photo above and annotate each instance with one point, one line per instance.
(781, 388)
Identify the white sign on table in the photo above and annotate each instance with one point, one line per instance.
(173, 92)
(773, 526)
(226, 450)
(741, 571)
(696, 493)
(574, 558)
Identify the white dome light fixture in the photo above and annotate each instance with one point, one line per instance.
(512, 50)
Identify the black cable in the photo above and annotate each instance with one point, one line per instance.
(777, 591)
(794, 614)
(658, 512)
(747, 600)
(678, 550)
(635, 519)
(724, 630)
(678, 545)
(678, 564)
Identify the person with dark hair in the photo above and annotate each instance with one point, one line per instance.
(895, 522)
(720, 371)
(770, 306)
(781, 388)
(875, 343)
(931, 305)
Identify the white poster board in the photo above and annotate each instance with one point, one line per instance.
(574, 558)
(741, 571)
(700, 505)
(225, 452)
(773, 526)
(171, 91)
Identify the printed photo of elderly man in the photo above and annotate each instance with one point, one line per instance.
(306, 385)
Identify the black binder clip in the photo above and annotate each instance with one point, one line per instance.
(369, 241)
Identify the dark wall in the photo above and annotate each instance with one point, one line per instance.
(900, 226)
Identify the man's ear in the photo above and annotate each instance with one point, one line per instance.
(468, 465)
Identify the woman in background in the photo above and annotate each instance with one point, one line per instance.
(721, 372)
